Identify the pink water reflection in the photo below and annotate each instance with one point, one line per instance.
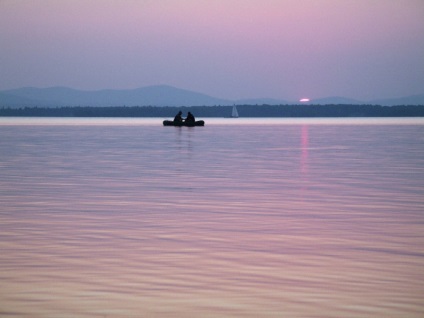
(113, 229)
(212, 263)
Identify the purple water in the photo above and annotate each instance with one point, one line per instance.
(240, 218)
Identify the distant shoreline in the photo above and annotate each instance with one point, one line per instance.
(288, 111)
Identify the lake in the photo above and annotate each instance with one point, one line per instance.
(240, 218)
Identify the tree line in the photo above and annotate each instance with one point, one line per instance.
(221, 111)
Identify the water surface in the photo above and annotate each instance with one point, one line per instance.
(240, 218)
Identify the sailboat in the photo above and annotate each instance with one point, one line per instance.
(234, 113)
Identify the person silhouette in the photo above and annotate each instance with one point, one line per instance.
(178, 117)
(190, 119)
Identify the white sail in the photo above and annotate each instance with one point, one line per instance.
(234, 114)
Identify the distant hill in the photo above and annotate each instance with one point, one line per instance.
(146, 96)
(160, 95)
(9, 100)
(261, 101)
(335, 100)
(408, 100)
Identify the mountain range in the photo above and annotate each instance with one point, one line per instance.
(159, 95)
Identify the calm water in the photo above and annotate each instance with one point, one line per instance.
(240, 218)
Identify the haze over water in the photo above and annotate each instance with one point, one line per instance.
(240, 218)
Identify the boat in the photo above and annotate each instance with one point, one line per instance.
(183, 124)
(234, 113)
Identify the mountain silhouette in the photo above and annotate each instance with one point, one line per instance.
(407, 100)
(159, 95)
(334, 100)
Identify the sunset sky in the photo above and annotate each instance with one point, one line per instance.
(288, 49)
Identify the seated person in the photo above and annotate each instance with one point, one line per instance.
(190, 118)
(178, 117)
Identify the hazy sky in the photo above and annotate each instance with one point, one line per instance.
(288, 49)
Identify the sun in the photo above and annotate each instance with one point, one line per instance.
(304, 100)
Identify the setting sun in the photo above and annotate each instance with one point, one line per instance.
(304, 100)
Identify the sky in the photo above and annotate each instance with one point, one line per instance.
(233, 49)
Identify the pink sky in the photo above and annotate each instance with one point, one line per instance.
(287, 49)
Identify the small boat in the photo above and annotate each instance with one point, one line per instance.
(183, 124)
(234, 113)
